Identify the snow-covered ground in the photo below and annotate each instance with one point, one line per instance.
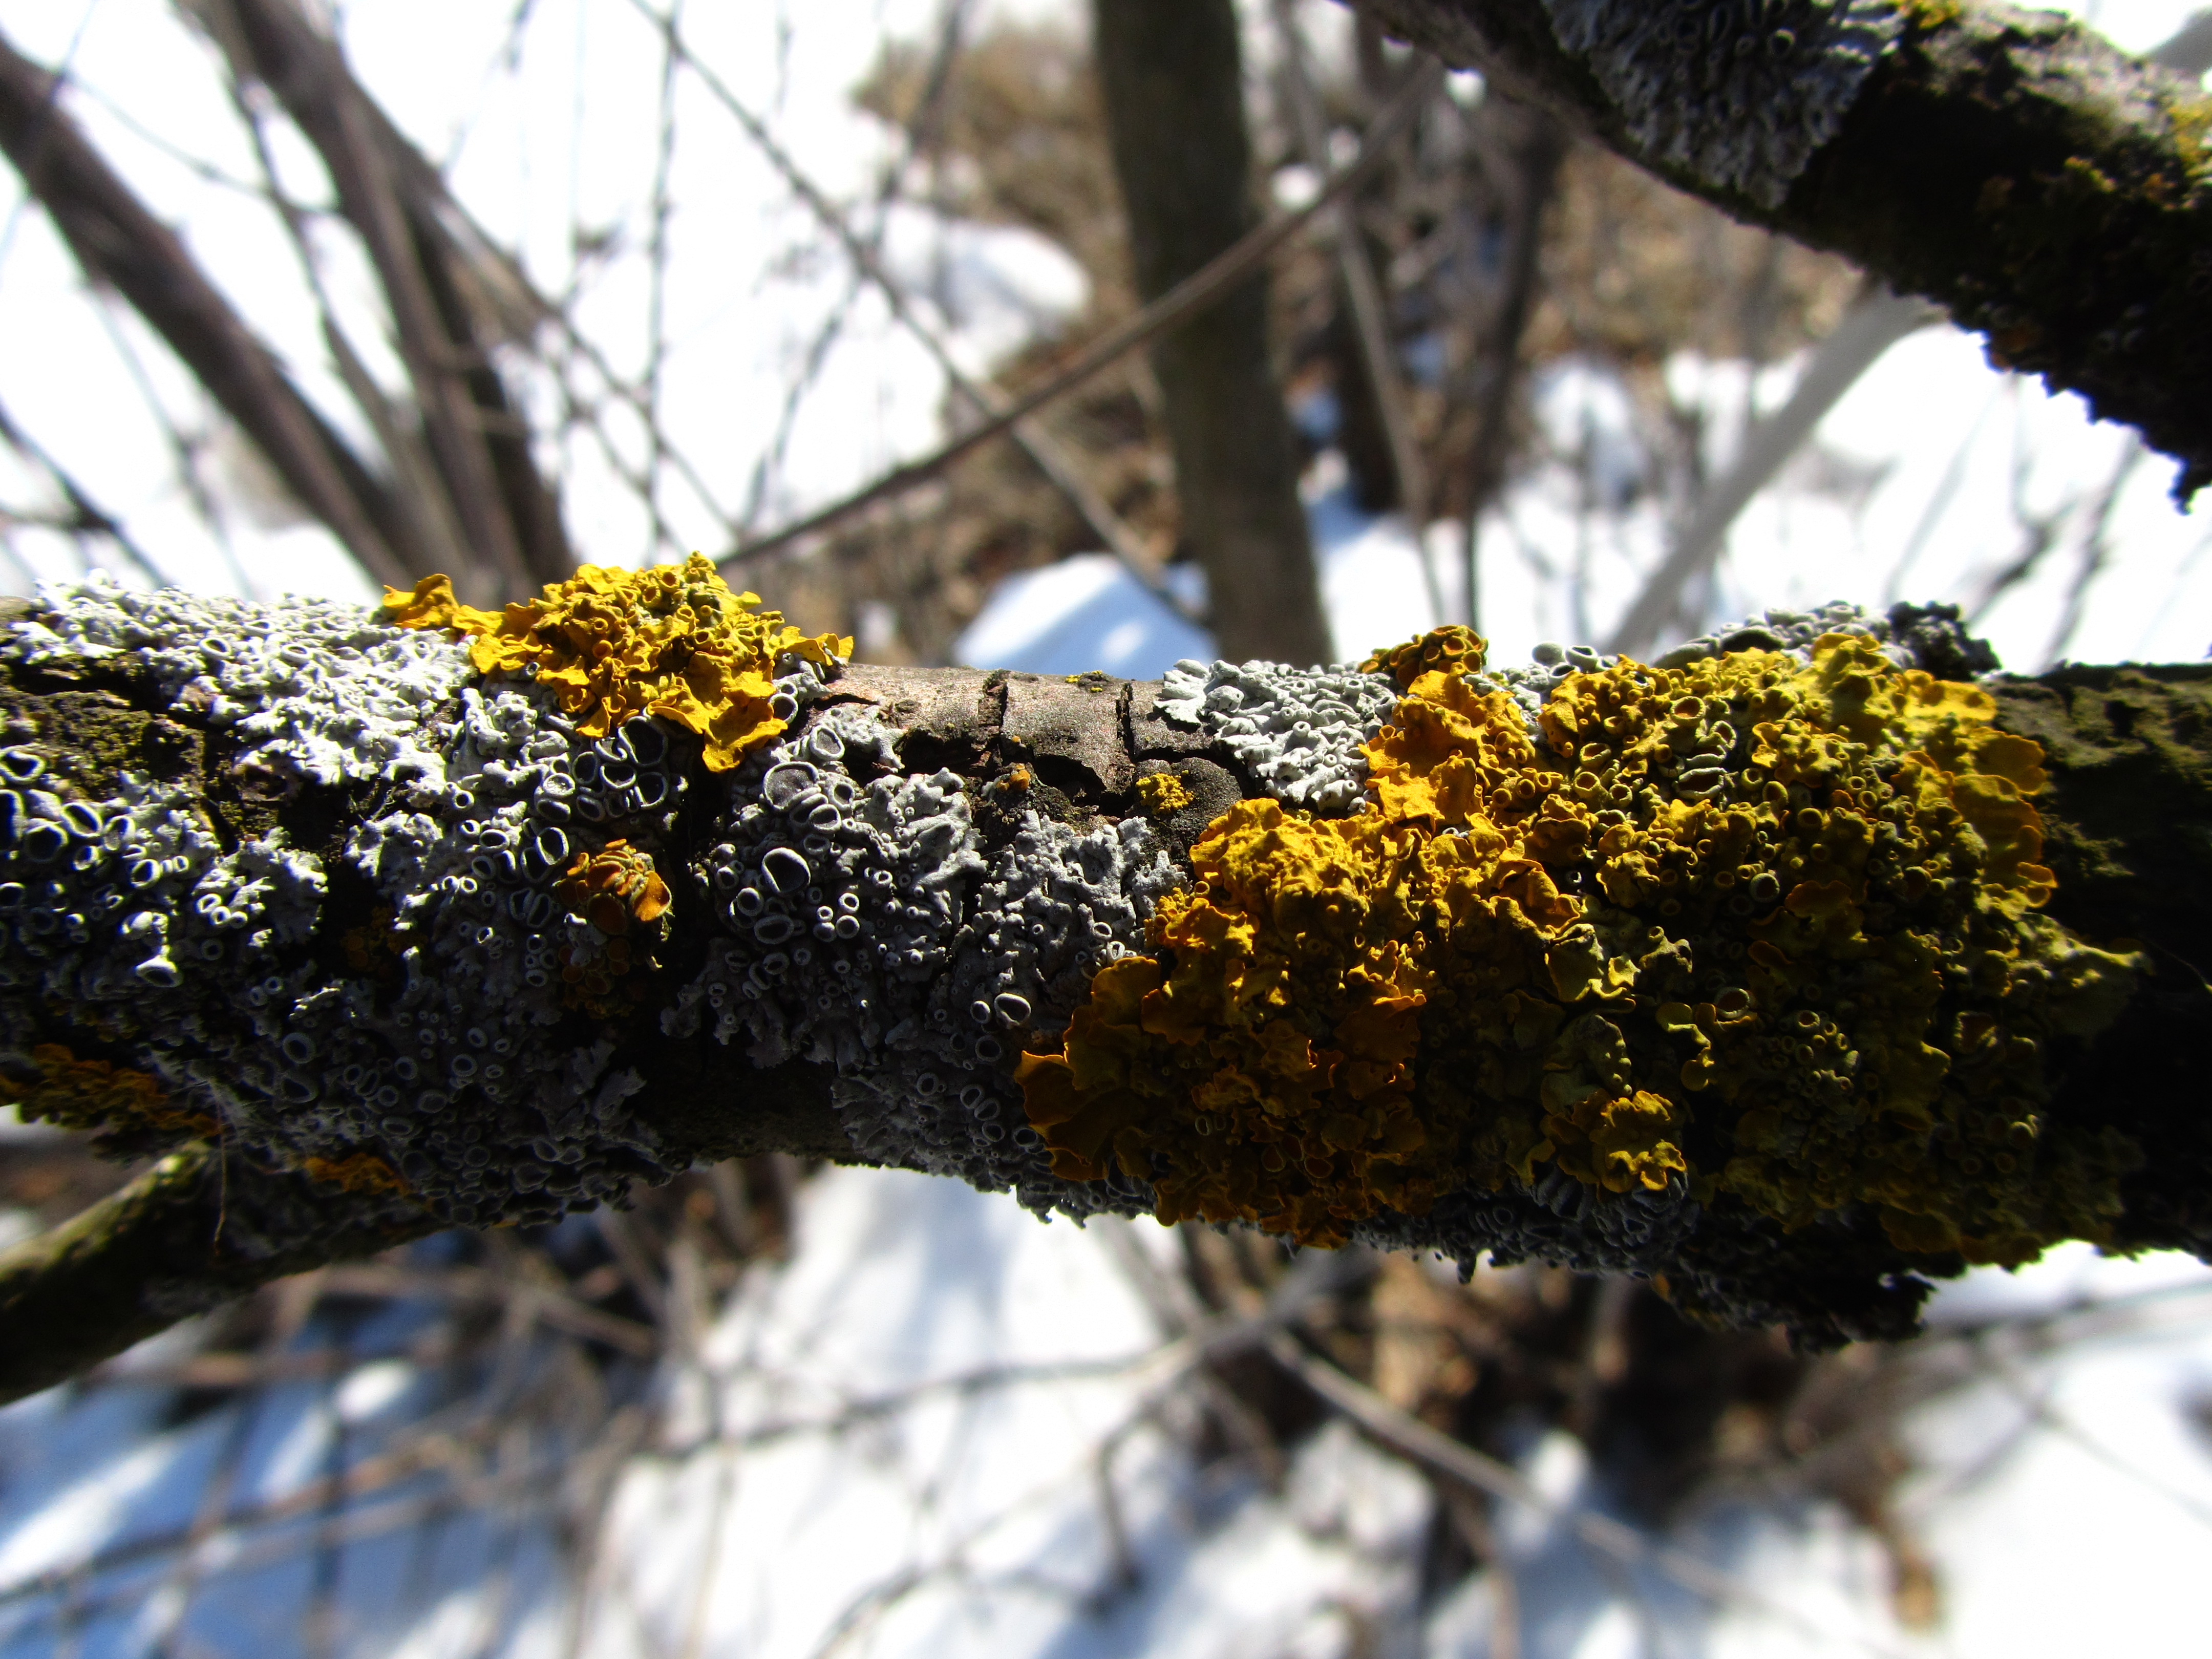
(943, 1429)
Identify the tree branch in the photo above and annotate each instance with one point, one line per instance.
(306, 73)
(185, 1237)
(409, 1002)
(2044, 187)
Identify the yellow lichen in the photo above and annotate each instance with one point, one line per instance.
(1763, 930)
(93, 1094)
(1449, 648)
(613, 644)
(357, 1172)
(1163, 792)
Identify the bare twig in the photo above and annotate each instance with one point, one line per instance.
(1410, 1438)
(1370, 319)
(85, 516)
(1542, 147)
(304, 70)
(1868, 329)
(119, 241)
(1052, 458)
(2096, 550)
(1193, 294)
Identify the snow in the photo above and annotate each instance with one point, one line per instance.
(1082, 613)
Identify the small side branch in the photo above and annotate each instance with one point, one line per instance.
(187, 1236)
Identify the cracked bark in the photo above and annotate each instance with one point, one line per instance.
(2046, 188)
(2128, 819)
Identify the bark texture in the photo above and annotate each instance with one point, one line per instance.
(1172, 77)
(2127, 817)
(2046, 189)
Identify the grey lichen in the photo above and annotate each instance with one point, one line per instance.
(860, 925)
(1930, 637)
(1294, 731)
(453, 1044)
(1739, 93)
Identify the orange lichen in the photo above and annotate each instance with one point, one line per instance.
(93, 1094)
(1764, 931)
(618, 890)
(614, 889)
(357, 1172)
(613, 644)
(375, 948)
(1163, 792)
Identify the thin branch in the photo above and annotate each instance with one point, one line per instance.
(1541, 148)
(1410, 1438)
(119, 242)
(305, 71)
(1051, 457)
(1370, 319)
(2096, 551)
(1210, 283)
(422, 497)
(658, 208)
(1868, 330)
(87, 516)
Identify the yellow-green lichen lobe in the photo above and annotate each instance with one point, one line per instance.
(672, 640)
(1765, 930)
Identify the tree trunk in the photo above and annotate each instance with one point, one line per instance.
(2012, 166)
(1171, 74)
(262, 908)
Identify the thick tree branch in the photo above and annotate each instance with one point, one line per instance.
(2046, 189)
(1018, 819)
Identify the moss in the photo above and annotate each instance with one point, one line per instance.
(614, 644)
(1767, 931)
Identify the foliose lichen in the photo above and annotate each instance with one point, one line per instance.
(671, 641)
(863, 928)
(1753, 935)
(1931, 637)
(1296, 732)
(1738, 93)
(515, 781)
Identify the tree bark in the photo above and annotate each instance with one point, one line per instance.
(1171, 74)
(2044, 187)
(2126, 817)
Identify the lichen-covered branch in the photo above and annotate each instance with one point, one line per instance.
(1786, 970)
(2011, 165)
